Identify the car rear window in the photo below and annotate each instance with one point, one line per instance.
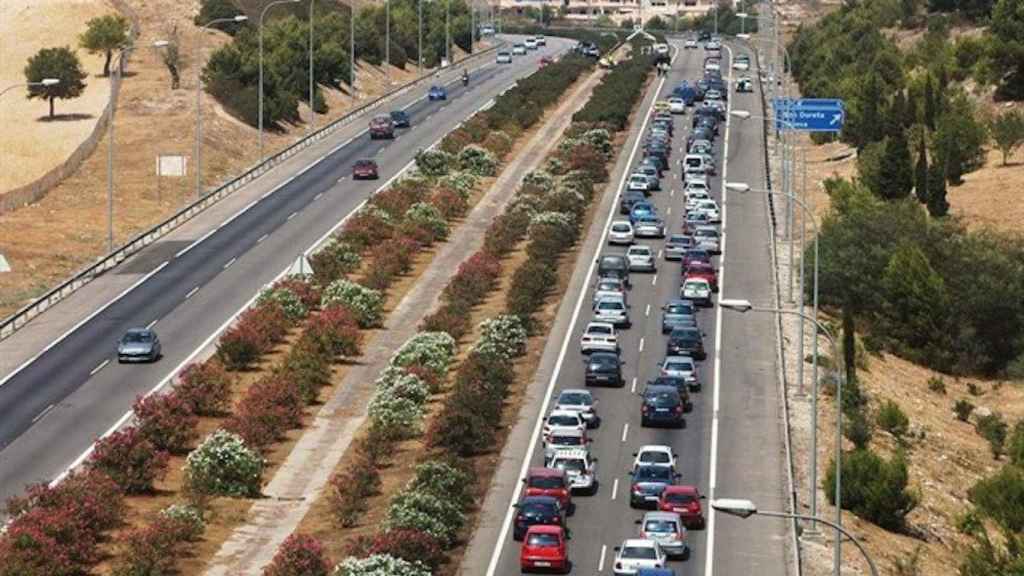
(654, 457)
(137, 337)
(567, 440)
(563, 420)
(660, 526)
(679, 498)
(603, 330)
(653, 474)
(679, 365)
(641, 552)
(546, 482)
(542, 540)
(663, 399)
(574, 398)
(569, 464)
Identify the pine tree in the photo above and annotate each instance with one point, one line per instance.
(937, 204)
(910, 113)
(897, 114)
(930, 111)
(896, 172)
(921, 173)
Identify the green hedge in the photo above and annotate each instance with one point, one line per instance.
(614, 99)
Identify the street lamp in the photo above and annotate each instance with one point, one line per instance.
(199, 92)
(263, 15)
(419, 48)
(746, 306)
(110, 154)
(745, 509)
(43, 82)
(743, 21)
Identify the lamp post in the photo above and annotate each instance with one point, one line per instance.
(43, 82)
(199, 92)
(263, 15)
(312, 79)
(746, 306)
(745, 509)
(743, 21)
(110, 152)
(387, 33)
(448, 31)
(419, 49)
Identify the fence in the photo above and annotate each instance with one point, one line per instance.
(17, 320)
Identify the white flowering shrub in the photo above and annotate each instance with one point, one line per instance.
(223, 465)
(434, 162)
(440, 479)
(432, 350)
(461, 181)
(531, 204)
(560, 221)
(403, 384)
(503, 337)
(293, 307)
(371, 209)
(367, 304)
(394, 416)
(600, 139)
(427, 215)
(579, 181)
(437, 516)
(478, 160)
(540, 178)
(566, 200)
(379, 565)
(187, 516)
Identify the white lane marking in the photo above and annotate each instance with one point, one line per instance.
(317, 197)
(292, 215)
(42, 414)
(625, 431)
(668, 211)
(659, 254)
(265, 194)
(647, 311)
(672, 193)
(88, 318)
(632, 387)
(230, 262)
(100, 367)
(604, 549)
(191, 292)
(262, 238)
(151, 324)
(506, 524)
(342, 179)
(615, 491)
(184, 250)
(641, 345)
(654, 280)
(709, 553)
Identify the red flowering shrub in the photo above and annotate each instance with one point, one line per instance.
(589, 159)
(270, 319)
(398, 197)
(94, 497)
(419, 233)
(299, 555)
(130, 459)
(389, 260)
(271, 407)
(366, 228)
(405, 543)
(477, 128)
(150, 550)
(307, 292)
(456, 140)
(350, 488)
(239, 346)
(166, 420)
(505, 232)
(335, 260)
(498, 143)
(474, 279)
(308, 368)
(531, 284)
(449, 203)
(205, 387)
(335, 332)
(27, 550)
(451, 319)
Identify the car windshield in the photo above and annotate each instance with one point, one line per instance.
(678, 309)
(602, 360)
(608, 287)
(640, 251)
(620, 227)
(679, 366)
(611, 262)
(611, 305)
(660, 526)
(598, 329)
(639, 552)
(570, 464)
(653, 474)
(663, 399)
(536, 508)
(137, 337)
(563, 420)
(696, 285)
(679, 498)
(574, 398)
(707, 233)
(546, 482)
(542, 540)
(655, 457)
(567, 440)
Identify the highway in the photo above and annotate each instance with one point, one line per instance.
(732, 445)
(53, 408)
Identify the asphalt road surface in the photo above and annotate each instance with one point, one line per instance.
(739, 453)
(53, 409)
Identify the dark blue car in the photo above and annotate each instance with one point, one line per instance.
(437, 93)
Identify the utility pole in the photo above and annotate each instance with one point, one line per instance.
(387, 31)
(312, 82)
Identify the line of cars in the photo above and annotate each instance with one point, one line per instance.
(569, 467)
(504, 56)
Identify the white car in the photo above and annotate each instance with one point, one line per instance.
(700, 147)
(698, 290)
(562, 439)
(621, 232)
(641, 259)
(531, 43)
(697, 184)
(577, 400)
(712, 66)
(690, 44)
(694, 198)
(677, 105)
(504, 57)
(638, 182)
(518, 50)
(707, 238)
(655, 454)
(612, 310)
(578, 466)
(683, 367)
(559, 419)
(635, 554)
(709, 207)
(599, 337)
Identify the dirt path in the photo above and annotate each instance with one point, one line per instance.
(32, 143)
(301, 479)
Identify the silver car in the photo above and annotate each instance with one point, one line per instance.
(641, 258)
(707, 237)
(139, 345)
(609, 288)
(649, 226)
(667, 529)
(676, 246)
(578, 400)
(612, 310)
(683, 367)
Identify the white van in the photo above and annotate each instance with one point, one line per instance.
(695, 163)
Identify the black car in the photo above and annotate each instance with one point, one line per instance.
(533, 510)
(613, 266)
(400, 119)
(686, 341)
(709, 122)
(700, 133)
(649, 481)
(664, 124)
(652, 162)
(629, 198)
(604, 369)
(662, 405)
(660, 161)
(679, 384)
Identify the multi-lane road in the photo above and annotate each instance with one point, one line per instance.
(53, 407)
(732, 445)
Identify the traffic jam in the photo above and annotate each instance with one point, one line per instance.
(656, 276)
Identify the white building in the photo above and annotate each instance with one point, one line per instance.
(618, 10)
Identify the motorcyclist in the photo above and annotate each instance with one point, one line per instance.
(465, 78)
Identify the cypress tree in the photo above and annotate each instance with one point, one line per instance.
(937, 204)
(921, 173)
(930, 111)
(896, 172)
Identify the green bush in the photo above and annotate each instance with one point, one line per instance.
(615, 97)
(438, 516)
(441, 479)
(892, 419)
(477, 160)
(937, 384)
(873, 488)
(857, 428)
(434, 162)
(963, 410)
(1015, 446)
(1001, 497)
(993, 429)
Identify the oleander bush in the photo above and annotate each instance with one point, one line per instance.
(437, 516)
(166, 420)
(505, 232)
(395, 416)
(336, 260)
(299, 555)
(403, 384)
(477, 160)
(360, 479)
(223, 465)
(293, 306)
(461, 181)
(303, 286)
(389, 260)
(428, 216)
(308, 367)
(449, 202)
(397, 198)
(188, 518)
(405, 543)
(613, 100)
(539, 179)
(453, 320)
(130, 459)
(551, 234)
(434, 162)
(474, 280)
(503, 337)
(531, 284)
(152, 549)
(441, 479)
(270, 407)
(241, 345)
(380, 565)
(455, 141)
(367, 305)
(432, 350)
(590, 161)
(600, 139)
(498, 143)
(334, 331)
(367, 227)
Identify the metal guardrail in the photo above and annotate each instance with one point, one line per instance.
(13, 323)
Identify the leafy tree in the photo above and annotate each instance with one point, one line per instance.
(60, 63)
(1007, 131)
(993, 428)
(1001, 497)
(1006, 48)
(958, 144)
(914, 305)
(171, 57)
(869, 166)
(873, 488)
(937, 204)
(921, 172)
(105, 34)
(986, 558)
(210, 10)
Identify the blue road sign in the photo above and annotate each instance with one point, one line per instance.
(809, 115)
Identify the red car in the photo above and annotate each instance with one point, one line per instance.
(381, 126)
(694, 255)
(698, 269)
(544, 549)
(685, 501)
(549, 482)
(365, 170)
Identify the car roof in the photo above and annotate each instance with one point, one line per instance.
(678, 358)
(545, 472)
(544, 529)
(682, 489)
(576, 390)
(561, 431)
(571, 453)
(663, 516)
(138, 331)
(679, 302)
(637, 543)
(539, 499)
(564, 413)
(589, 324)
(654, 448)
